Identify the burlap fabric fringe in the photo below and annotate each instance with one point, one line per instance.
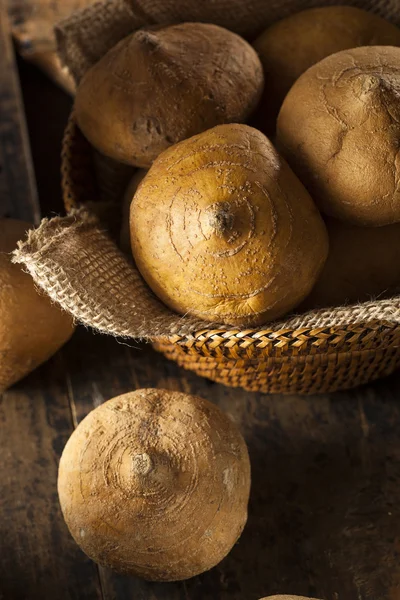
(73, 258)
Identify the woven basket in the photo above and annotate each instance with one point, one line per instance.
(301, 361)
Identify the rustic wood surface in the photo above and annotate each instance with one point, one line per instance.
(32, 23)
(17, 183)
(324, 512)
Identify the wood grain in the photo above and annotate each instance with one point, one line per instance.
(323, 519)
(32, 22)
(18, 196)
(38, 558)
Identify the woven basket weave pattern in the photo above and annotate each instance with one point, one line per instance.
(254, 344)
(312, 374)
(304, 360)
(78, 264)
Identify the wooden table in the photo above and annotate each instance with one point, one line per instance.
(324, 511)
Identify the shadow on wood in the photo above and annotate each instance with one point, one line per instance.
(38, 558)
(323, 517)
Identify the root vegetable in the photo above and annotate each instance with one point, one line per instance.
(339, 128)
(125, 238)
(31, 328)
(362, 264)
(292, 45)
(221, 228)
(155, 483)
(161, 85)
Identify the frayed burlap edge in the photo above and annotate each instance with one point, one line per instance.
(77, 264)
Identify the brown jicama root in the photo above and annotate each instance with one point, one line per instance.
(222, 229)
(291, 46)
(339, 128)
(155, 483)
(125, 236)
(362, 264)
(161, 85)
(31, 328)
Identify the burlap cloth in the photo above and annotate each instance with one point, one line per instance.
(75, 260)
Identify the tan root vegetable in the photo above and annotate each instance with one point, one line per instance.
(125, 238)
(155, 483)
(292, 45)
(31, 328)
(221, 228)
(339, 128)
(363, 263)
(161, 85)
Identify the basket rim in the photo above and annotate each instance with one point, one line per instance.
(231, 341)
